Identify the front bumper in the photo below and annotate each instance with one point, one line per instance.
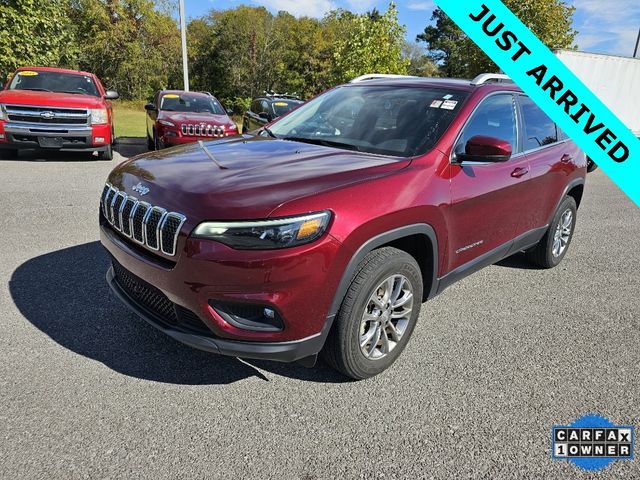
(277, 351)
(59, 137)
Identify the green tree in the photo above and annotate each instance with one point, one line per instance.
(131, 45)
(458, 56)
(373, 44)
(420, 64)
(37, 33)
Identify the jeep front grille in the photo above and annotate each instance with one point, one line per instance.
(142, 222)
(202, 130)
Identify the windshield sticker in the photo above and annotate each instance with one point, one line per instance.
(171, 95)
(447, 97)
(28, 73)
(449, 104)
(281, 104)
(436, 104)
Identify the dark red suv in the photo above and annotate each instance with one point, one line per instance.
(176, 117)
(329, 228)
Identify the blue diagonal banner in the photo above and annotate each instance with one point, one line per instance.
(553, 87)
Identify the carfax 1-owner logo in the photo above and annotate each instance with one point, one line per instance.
(592, 442)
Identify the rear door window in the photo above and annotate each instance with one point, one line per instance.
(539, 129)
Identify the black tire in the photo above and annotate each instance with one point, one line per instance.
(8, 153)
(342, 349)
(106, 154)
(156, 142)
(591, 165)
(542, 255)
(150, 143)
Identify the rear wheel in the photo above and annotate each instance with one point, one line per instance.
(150, 143)
(377, 316)
(550, 251)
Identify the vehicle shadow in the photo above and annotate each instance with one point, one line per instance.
(65, 295)
(131, 146)
(518, 261)
(53, 156)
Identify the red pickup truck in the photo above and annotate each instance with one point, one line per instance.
(56, 109)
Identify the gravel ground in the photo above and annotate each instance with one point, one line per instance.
(89, 390)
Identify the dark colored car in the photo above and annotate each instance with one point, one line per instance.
(55, 109)
(266, 109)
(175, 117)
(327, 230)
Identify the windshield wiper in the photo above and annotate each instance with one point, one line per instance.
(269, 132)
(323, 142)
(37, 89)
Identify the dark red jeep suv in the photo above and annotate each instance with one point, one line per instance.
(328, 229)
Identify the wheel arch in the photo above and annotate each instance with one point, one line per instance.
(418, 240)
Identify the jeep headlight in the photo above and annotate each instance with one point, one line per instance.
(99, 116)
(266, 234)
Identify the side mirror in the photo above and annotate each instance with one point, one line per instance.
(265, 115)
(150, 107)
(485, 149)
(111, 95)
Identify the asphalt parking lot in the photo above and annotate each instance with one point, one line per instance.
(89, 390)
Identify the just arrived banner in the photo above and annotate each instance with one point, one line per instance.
(553, 87)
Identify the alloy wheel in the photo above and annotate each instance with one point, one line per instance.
(386, 317)
(563, 233)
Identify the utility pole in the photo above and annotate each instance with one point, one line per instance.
(183, 34)
(635, 52)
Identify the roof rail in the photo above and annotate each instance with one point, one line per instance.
(491, 78)
(374, 76)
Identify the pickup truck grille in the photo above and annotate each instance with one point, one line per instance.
(142, 222)
(202, 130)
(48, 116)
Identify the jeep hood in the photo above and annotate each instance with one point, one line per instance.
(50, 99)
(258, 175)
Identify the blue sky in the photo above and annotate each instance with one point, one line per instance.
(605, 26)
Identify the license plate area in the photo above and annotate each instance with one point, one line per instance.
(50, 142)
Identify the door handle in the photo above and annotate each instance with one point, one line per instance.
(566, 158)
(519, 172)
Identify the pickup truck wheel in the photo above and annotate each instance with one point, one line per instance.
(377, 316)
(107, 154)
(550, 251)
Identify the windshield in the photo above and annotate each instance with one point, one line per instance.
(172, 102)
(280, 107)
(400, 121)
(54, 82)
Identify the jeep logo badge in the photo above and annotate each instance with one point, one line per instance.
(141, 189)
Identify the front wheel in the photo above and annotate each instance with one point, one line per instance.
(377, 316)
(106, 154)
(550, 251)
